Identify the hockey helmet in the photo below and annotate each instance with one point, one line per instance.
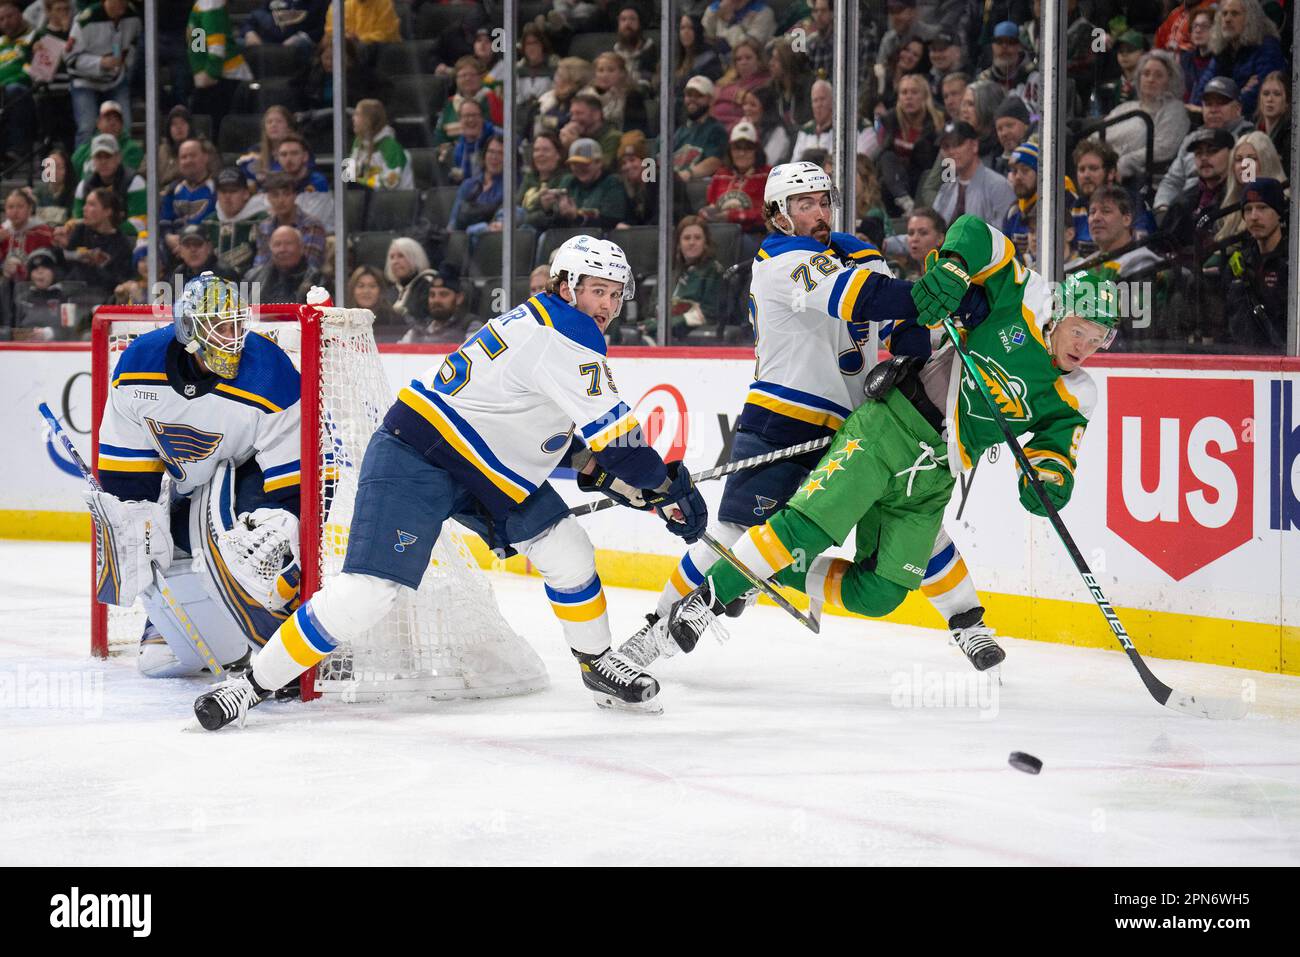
(211, 322)
(588, 256)
(1091, 295)
(791, 179)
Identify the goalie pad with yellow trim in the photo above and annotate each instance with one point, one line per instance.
(129, 538)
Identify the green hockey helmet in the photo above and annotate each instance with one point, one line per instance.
(1094, 296)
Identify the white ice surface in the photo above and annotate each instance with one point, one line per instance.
(774, 748)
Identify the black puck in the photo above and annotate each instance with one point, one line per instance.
(1025, 762)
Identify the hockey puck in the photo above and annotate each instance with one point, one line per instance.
(1025, 762)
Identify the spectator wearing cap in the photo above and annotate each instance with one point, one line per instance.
(909, 142)
(1096, 165)
(378, 161)
(572, 74)
(233, 231)
(313, 189)
(1246, 48)
(38, 306)
(444, 319)
(291, 23)
(1130, 47)
(696, 56)
(465, 154)
(974, 188)
(1198, 58)
(101, 55)
(747, 73)
(21, 234)
(736, 191)
(1256, 300)
(1253, 157)
(621, 101)
(479, 198)
(1273, 115)
(1012, 126)
(635, 46)
(1197, 208)
(734, 20)
(287, 275)
(178, 128)
(1011, 67)
(489, 61)
(108, 172)
(1022, 174)
(191, 199)
(195, 255)
(641, 194)
(281, 194)
(469, 86)
(93, 249)
(1159, 95)
(1220, 110)
(594, 198)
(111, 123)
(135, 291)
(946, 56)
(700, 142)
(1175, 33)
(904, 26)
(587, 122)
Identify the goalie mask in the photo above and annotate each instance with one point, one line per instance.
(587, 256)
(793, 179)
(211, 322)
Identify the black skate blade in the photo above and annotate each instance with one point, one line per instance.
(610, 703)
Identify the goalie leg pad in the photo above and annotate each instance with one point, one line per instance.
(567, 562)
(208, 616)
(343, 610)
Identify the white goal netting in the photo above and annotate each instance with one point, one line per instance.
(448, 639)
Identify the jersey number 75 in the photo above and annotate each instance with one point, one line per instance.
(454, 373)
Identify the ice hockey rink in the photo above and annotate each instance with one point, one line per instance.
(872, 744)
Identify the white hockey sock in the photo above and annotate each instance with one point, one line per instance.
(690, 571)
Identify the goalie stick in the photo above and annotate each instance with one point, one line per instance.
(196, 642)
(721, 470)
(1215, 708)
(729, 557)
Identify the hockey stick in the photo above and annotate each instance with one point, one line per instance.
(728, 556)
(1216, 708)
(721, 470)
(196, 642)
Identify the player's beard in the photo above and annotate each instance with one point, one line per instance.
(821, 232)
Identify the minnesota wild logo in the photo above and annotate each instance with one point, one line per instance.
(1009, 392)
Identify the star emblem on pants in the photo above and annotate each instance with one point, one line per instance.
(851, 446)
(812, 485)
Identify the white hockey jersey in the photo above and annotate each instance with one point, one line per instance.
(810, 312)
(159, 417)
(500, 413)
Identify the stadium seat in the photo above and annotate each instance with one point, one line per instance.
(697, 193)
(438, 202)
(424, 162)
(641, 244)
(726, 242)
(413, 133)
(554, 238)
(415, 95)
(239, 131)
(257, 96)
(652, 118)
(457, 249)
(486, 258)
(591, 45)
(354, 209)
(268, 60)
(392, 208)
(435, 19)
(404, 59)
(371, 249)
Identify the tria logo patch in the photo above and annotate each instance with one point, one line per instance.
(404, 539)
(1013, 337)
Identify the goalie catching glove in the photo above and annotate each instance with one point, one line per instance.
(1058, 483)
(261, 551)
(678, 502)
(130, 538)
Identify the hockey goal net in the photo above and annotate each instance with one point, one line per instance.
(446, 640)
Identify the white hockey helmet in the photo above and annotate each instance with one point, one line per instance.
(212, 321)
(588, 256)
(791, 179)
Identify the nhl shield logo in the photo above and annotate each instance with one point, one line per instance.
(404, 539)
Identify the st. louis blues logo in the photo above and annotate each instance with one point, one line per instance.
(764, 503)
(404, 539)
(181, 444)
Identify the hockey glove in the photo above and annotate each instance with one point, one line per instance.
(681, 505)
(261, 553)
(611, 486)
(130, 537)
(939, 292)
(1058, 483)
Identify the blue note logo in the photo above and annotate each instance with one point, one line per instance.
(764, 504)
(180, 445)
(404, 539)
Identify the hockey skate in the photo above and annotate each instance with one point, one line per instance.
(227, 702)
(975, 639)
(695, 614)
(617, 683)
(649, 643)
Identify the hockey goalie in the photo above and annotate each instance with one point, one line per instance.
(198, 459)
